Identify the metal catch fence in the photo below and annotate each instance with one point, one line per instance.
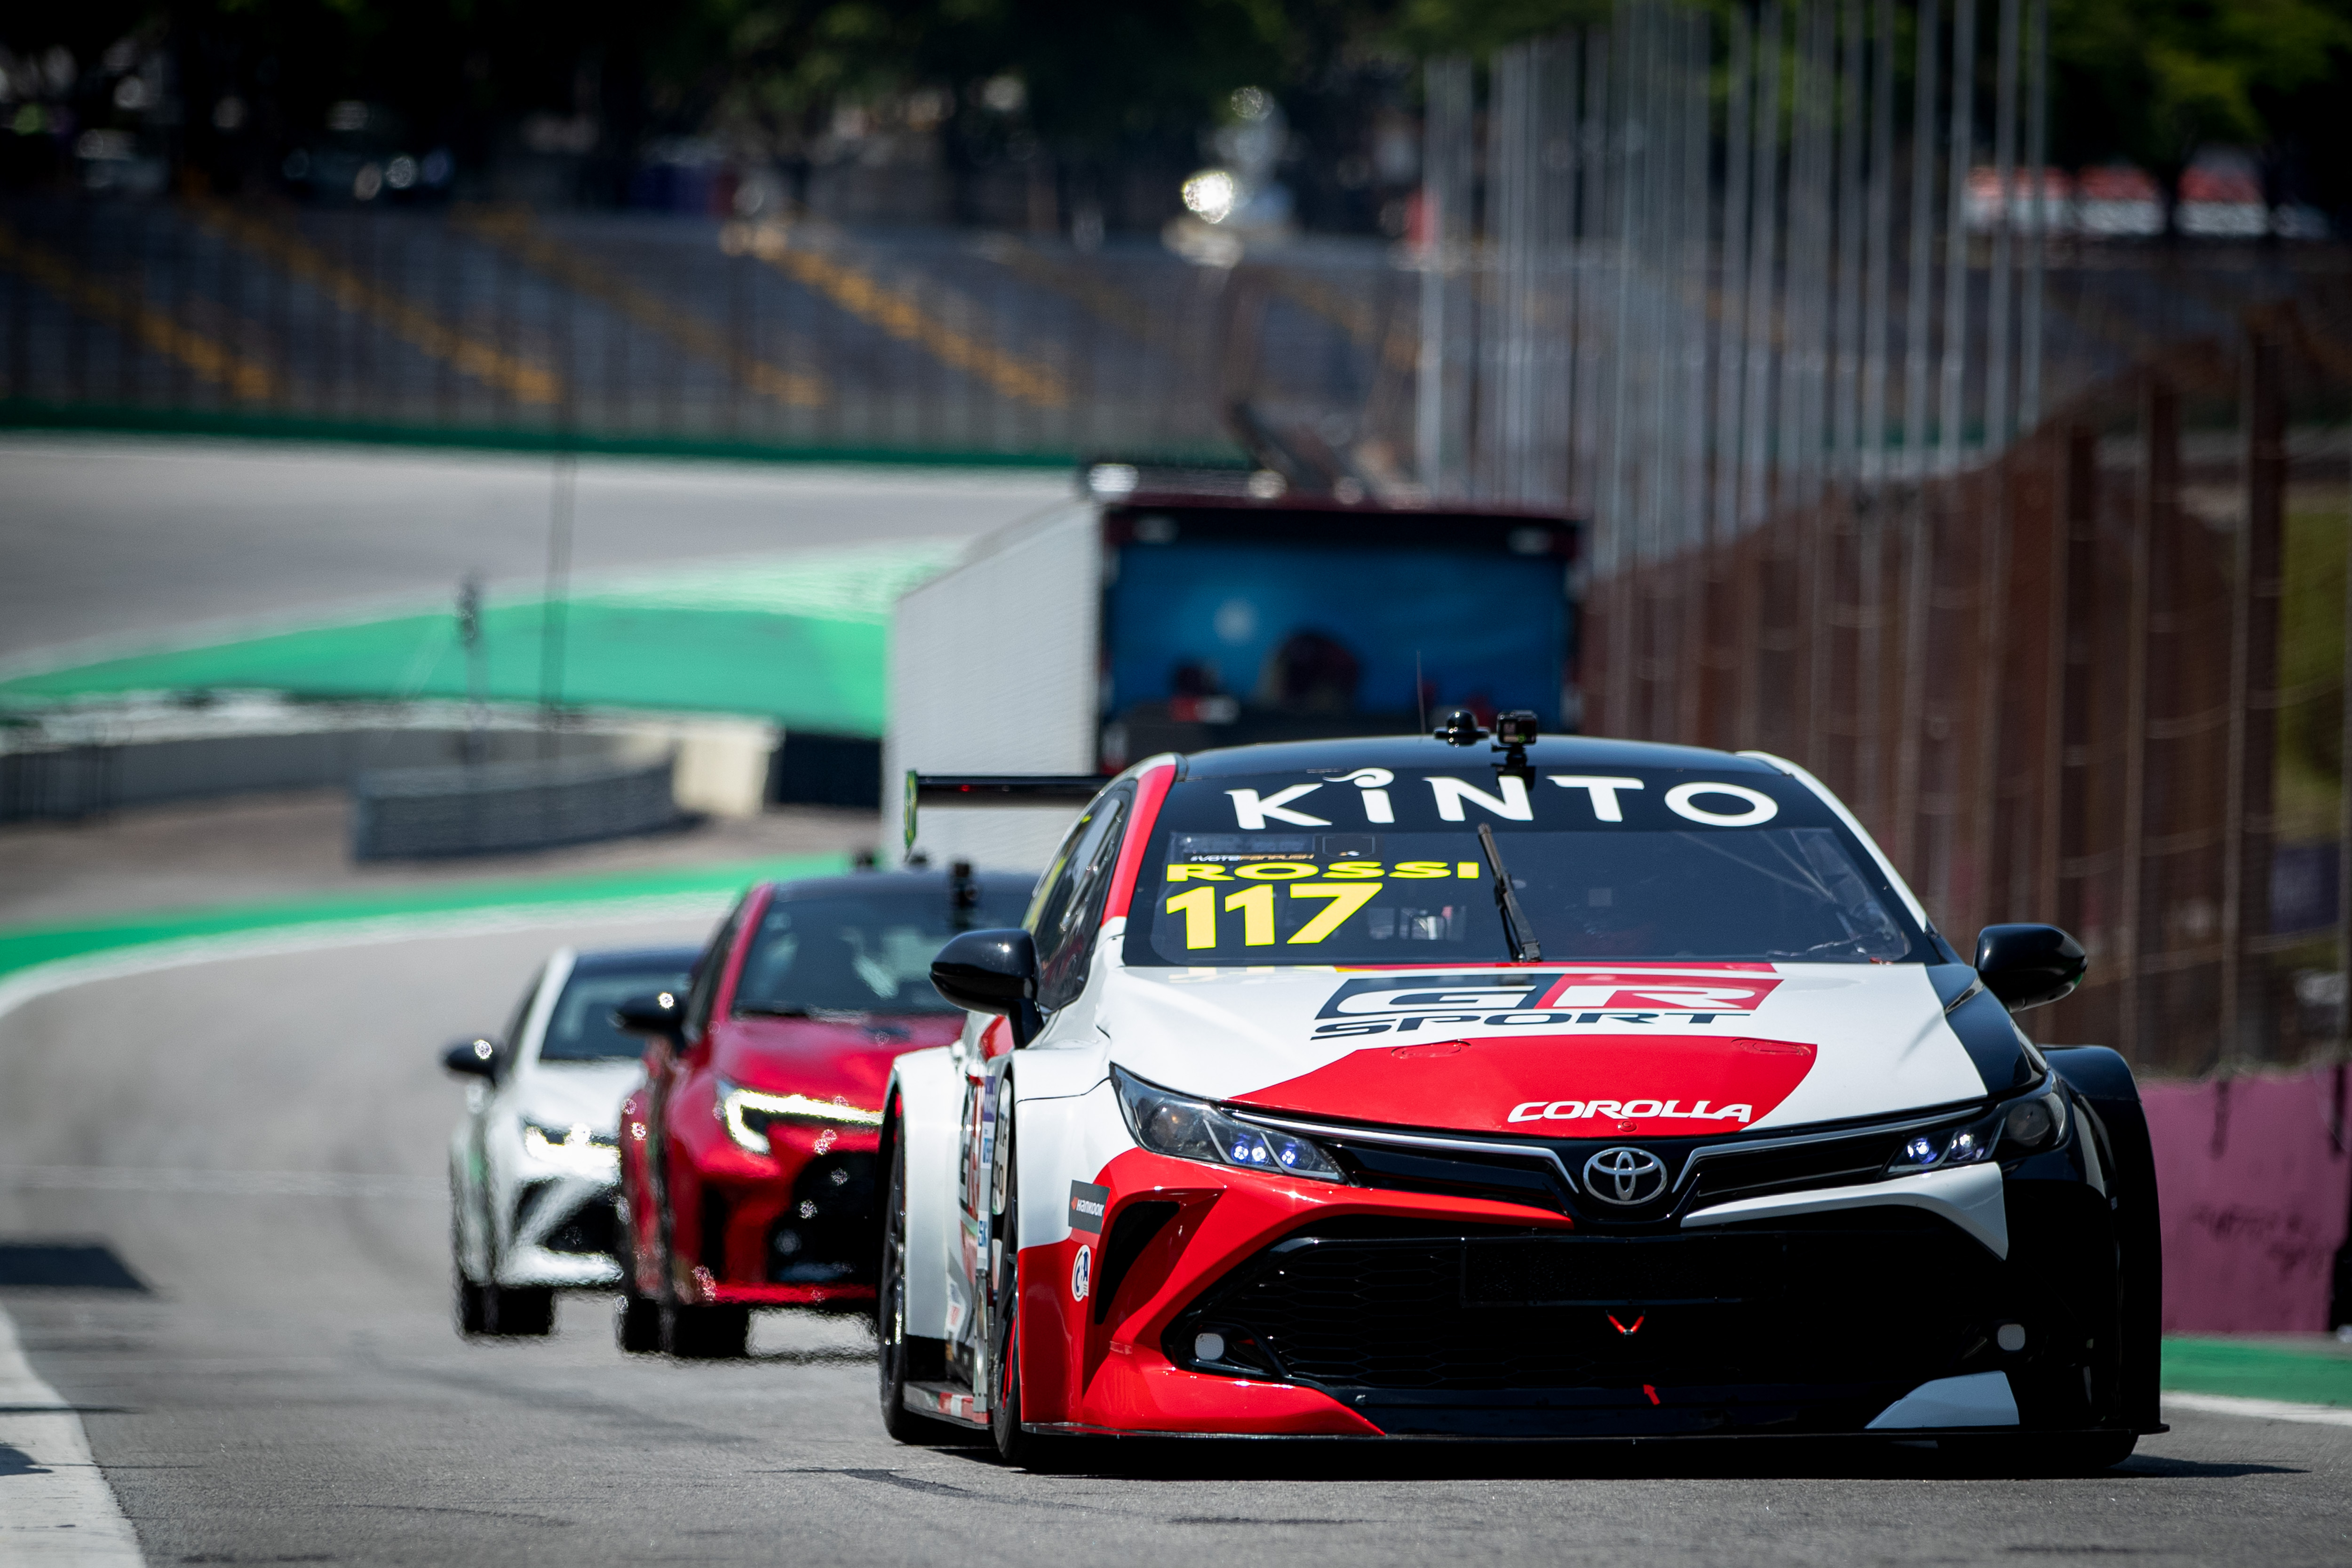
(2097, 681)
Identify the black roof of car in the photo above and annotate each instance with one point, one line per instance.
(1581, 752)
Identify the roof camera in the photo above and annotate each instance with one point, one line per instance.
(1514, 732)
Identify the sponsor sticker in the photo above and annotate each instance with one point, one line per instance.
(1409, 1003)
(1088, 1203)
(1613, 1110)
(1082, 1274)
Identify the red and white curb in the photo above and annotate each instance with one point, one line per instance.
(56, 1508)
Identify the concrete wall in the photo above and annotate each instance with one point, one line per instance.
(2254, 1180)
(102, 762)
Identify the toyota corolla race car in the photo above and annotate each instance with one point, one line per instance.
(533, 1167)
(1573, 1088)
(747, 1147)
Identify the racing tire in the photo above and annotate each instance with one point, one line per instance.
(720, 1332)
(636, 1325)
(473, 1313)
(2086, 1456)
(466, 1297)
(518, 1311)
(900, 1360)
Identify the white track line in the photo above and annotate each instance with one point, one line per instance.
(2259, 1409)
(56, 1508)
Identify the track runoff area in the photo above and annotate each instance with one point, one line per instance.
(271, 1374)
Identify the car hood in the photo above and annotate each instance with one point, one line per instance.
(567, 1094)
(1568, 1050)
(825, 1058)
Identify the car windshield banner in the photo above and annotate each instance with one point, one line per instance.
(1373, 868)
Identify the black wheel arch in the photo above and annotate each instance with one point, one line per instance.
(2102, 1083)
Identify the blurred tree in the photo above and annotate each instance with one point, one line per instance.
(1087, 88)
(1480, 26)
(2155, 82)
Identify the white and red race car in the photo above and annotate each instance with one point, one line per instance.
(1571, 1089)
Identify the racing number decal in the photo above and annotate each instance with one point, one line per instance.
(1347, 886)
(1255, 906)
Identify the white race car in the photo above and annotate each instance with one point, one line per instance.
(534, 1166)
(1383, 1088)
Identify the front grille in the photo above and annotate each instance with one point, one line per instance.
(1725, 1173)
(827, 1233)
(1550, 1175)
(1530, 1178)
(1836, 1301)
(591, 1231)
(1618, 1271)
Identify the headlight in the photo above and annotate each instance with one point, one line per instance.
(749, 1113)
(2024, 1126)
(1192, 1129)
(2033, 1125)
(578, 1147)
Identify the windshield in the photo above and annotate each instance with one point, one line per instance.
(582, 1030)
(1392, 870)
(867, 953)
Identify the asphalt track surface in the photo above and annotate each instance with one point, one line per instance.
(288, 1388)
(131, 540)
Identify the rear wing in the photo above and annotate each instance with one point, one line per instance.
(996, 789)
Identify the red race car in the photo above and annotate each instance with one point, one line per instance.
(748, 1149)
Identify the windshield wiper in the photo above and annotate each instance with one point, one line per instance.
(1855, 943)
(1524, 948)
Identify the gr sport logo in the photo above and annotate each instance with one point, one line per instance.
(1629, 1110)
(1405, 1004)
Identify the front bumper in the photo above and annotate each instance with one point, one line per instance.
(1343, 1310)
(796, 1228)
(564, 1233)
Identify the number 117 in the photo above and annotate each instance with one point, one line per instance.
(1255, 906)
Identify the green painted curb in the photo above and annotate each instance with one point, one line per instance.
(24, 947)
(801, 671)
(800, 639)
(2258, 1370)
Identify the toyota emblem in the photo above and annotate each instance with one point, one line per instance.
(1624, 1176)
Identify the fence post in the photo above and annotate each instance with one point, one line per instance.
(1818, 556)
(1998, 480)
(2343, 831)
(2253, 699)
(2159, 493)
(1918, 571)
(2074, 604)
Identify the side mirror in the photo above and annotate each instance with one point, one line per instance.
(658, 1014)
(472, 1059)
(2028, 965)
(992, 971)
